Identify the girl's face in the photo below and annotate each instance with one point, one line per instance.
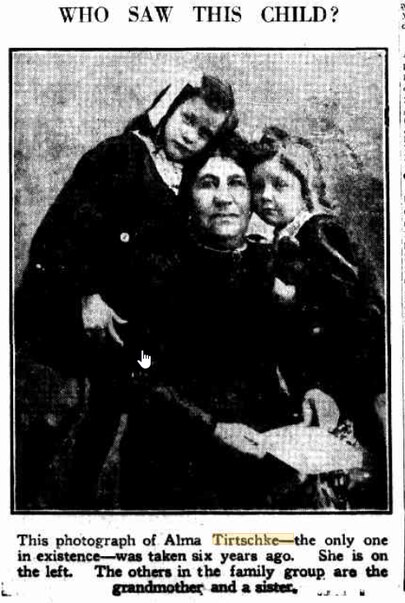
(190, 128)
(277, 194)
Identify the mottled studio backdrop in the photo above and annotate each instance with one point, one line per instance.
(65, 102)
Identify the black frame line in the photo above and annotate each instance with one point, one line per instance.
(387, 283)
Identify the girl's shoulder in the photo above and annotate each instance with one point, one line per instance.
(325, 242)
(121, 154)
(321, 223)
(326, 231)
(121, 149)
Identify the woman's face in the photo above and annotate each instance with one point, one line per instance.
(277, 194)
(221, 203)
(190, 128)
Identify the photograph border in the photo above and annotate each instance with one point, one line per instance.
(387, 285)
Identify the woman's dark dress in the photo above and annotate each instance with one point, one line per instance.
(208, 324)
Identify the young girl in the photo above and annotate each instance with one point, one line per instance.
(120, 198)
(332, 314)
(119, 202)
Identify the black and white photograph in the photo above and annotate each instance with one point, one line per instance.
(199, 282)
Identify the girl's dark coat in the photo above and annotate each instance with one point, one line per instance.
(114, 205)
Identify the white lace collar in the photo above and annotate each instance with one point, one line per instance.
(170, 171)
(291, 230)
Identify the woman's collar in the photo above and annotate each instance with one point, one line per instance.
(237, 250)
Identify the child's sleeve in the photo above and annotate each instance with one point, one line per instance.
(330, 257)
(67, 241)
(346, 327)
(64, 262)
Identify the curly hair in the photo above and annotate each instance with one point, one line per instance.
(298, 156)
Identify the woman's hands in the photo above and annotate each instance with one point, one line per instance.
(243, 438)
(97, 316)
(284, 294)
(318, 406)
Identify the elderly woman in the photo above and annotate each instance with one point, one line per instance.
(207, 320)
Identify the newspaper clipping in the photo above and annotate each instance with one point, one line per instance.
(203, 354)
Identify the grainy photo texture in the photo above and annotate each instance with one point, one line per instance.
(199, 280)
